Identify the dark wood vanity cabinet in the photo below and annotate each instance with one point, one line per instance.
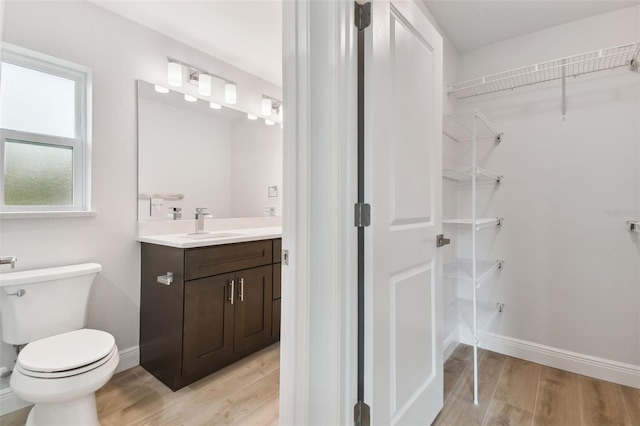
(220, 307)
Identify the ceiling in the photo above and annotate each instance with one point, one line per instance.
(473, 24)
(248, 33)
(244, 33)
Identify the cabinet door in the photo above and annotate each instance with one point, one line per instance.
(208, 325)
(253, 309)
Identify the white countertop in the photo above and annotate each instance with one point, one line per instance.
(213, 238)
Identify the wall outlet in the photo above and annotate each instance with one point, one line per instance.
(156, 207)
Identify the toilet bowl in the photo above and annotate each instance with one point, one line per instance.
(61, 373)
(62, 364)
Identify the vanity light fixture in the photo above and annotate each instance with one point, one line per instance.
(267, 106)
(200, 78)
(174, 73)
(204, 84)
(214, 105)
(161, 89)
(268, 122)
(252, 117)
(230, 93)
(190, 98)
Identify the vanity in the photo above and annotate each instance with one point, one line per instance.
(207, 301)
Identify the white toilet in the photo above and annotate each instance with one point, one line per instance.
(63, 363)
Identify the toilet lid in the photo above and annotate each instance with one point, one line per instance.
(66, 351)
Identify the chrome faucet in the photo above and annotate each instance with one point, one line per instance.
(5, 260)
(201, 213)
(176, 213)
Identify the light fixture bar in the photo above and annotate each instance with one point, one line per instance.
(192, 67)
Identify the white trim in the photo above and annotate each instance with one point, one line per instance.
(46, 215)
(318, 343)
(129, 358)
(599, 368)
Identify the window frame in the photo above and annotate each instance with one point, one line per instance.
(80, 144)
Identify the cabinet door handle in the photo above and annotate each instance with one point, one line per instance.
(242, 289)
(231, 293)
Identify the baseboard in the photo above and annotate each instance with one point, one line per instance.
(449, 345)
(599, 368)
(129, 358)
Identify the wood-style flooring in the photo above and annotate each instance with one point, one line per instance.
(512, 392)
(516, 392)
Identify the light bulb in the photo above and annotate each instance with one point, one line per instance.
(281, 113)
(230, 95)
(161, 89)
(252, 117)
(190, 98)
(266, 107)
(214, 105)
(174, 74)
(204, 85)
(268, 122)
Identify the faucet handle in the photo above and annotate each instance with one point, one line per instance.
(5, 260)
(201, 209)
(175, 209)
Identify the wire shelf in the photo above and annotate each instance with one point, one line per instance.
(481, 223)
(634, 225)
(463, 269)
(572, 66)
(487, 314)
(458, 127)
(466, 174)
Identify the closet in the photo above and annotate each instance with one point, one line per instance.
(474, 266)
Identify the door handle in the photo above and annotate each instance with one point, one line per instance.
(242, 289)
(231, 293)
(441, 240)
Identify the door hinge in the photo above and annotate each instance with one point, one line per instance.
(362, 215)
(441, 240)
(361, 414)
(362, 15)
(285, 257)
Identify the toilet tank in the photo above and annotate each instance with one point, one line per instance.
(53, 301)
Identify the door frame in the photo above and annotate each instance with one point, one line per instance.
(319, 292)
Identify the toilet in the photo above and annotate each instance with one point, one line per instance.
(63, 364)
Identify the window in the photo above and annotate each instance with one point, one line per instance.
(44, 112)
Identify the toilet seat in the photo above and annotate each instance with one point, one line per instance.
(66, 354)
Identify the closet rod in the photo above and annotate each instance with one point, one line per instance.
(571, 66)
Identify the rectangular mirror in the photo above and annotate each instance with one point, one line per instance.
(191, 155)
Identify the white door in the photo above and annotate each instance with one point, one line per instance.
(403, 127)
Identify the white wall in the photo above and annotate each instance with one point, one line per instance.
(571, 278)
(166, 133)
(256, 163)
(119, 52)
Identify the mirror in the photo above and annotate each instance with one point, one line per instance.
(191, 155)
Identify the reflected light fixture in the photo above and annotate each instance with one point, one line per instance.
(252, 117)
(266, 106)
(204, 85)
(190, 98)
(174, 74)
(214, 105)
(230, 94)
(161, 89)
(268, 122)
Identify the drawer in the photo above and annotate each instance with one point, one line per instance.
(207, 261)
(277, 250)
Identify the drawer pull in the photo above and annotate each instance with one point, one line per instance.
(166, 279)
(242, 289)
(231, 293)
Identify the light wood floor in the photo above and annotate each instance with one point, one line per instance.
(517, 392)
(512, 392)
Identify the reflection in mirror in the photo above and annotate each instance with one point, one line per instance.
(191, 155)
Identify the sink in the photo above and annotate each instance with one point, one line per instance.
(212, 235)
